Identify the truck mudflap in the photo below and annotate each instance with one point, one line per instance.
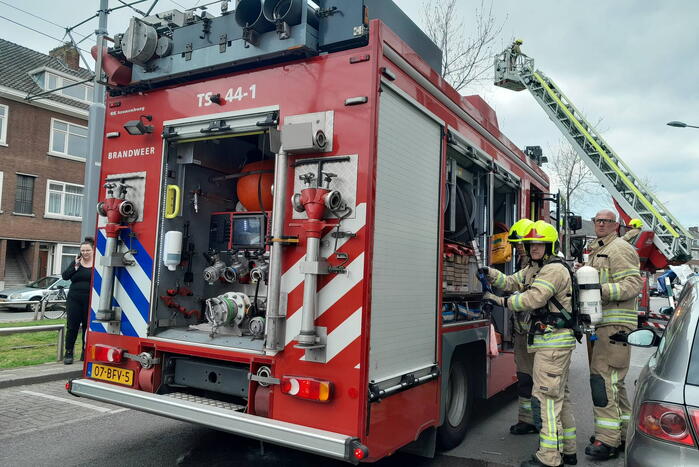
(325, 443)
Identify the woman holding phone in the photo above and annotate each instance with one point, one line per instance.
(79, 273)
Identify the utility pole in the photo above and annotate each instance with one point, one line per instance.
(95, 125)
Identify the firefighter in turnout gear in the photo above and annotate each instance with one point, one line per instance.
(620, 279)
(515, 51)
(634, 230)
(524, 361)
(517, 231)
(546, 295)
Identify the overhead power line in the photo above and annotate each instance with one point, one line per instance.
(83, 36)
(37, 31)
(178, 4)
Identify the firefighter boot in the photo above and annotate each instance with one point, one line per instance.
(570, 459)
(621, 447)
(534, 462)
(523, 428)
(600, 451)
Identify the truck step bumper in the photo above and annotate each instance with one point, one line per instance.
(325, 443)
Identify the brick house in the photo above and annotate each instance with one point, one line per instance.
(43, 145)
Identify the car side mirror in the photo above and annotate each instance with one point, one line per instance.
(643, 338)
(60, 287)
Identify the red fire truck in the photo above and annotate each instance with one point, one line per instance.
(293, 205)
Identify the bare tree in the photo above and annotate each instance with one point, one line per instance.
(464, 58)
(576, 183)
(572, 176)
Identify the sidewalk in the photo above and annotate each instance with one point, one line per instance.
(39, 373)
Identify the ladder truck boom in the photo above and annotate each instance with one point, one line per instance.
(516, 71)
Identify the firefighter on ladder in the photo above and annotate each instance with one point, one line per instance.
(546, 296)
(620, 279)
(515, 52)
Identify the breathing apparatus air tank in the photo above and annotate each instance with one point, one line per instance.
(590, 295)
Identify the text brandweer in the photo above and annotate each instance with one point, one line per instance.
(131, 153)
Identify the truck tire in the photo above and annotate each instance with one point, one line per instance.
(458, 405)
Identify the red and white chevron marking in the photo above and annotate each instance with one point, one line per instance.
(654, 325)
(660, 316)
(340, 296)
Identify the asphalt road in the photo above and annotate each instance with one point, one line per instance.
(43, 425)
(489, 438)
(15, 315)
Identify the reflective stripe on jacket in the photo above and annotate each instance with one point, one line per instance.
(618, 265)
(516, 282)
(552, 280)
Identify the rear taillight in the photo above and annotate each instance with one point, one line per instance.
(694, 418)
(665, 421)
(107, 353)
(306, 388)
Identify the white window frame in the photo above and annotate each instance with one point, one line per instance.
(51, 152)
(60, 77)
(53, 215)
(3, 126)
(58, 255)
(2, 175)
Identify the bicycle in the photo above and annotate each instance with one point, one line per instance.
(54, 310)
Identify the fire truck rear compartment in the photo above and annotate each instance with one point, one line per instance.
(208, 295)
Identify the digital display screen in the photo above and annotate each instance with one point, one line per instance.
(248, 232)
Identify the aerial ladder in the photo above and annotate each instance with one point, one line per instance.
(516, 71)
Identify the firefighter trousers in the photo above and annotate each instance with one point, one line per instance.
(524, 363)
(551, 405)
(608, 368)
(566, 430)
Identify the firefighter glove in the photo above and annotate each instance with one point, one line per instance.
(484, 270)
(493, 299)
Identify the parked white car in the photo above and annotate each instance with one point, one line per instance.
(36, 290)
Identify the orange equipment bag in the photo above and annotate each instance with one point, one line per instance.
(500, 249)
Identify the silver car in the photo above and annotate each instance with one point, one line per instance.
(664, 428)
(36, 290)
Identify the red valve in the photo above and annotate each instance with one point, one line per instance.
(171, 303)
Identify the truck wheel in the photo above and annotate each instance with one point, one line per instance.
(458, 401)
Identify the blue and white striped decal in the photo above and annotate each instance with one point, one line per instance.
(132, 287)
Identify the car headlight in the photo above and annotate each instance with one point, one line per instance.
(15, 296)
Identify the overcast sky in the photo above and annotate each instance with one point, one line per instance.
(631, 64)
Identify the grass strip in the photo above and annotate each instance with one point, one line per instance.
(40, 347)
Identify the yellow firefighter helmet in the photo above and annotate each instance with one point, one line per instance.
(519, 229)
(542, 232)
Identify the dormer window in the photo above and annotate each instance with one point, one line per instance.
(50, 80)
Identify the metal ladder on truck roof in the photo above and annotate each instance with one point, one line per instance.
(517, 72)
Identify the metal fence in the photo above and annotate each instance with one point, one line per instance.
(47, 327)
(39, 311)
